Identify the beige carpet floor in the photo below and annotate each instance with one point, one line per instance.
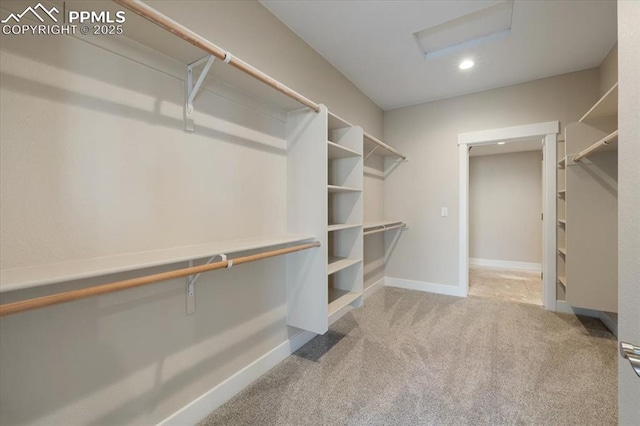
(413, 358)
(505, 284)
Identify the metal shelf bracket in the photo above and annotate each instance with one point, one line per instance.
(191, 89)
(191, 282)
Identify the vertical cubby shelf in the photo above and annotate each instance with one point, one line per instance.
(344, 214)
(325, 182)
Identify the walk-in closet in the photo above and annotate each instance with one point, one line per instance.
(271, 212)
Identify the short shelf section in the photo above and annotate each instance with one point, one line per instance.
(341, 226)
(563, 281)
(562, 193)
(562, 222)
(382, 226)
(339, 299)
(562, 251)
(335, 189)
(21, 278)
(339, 263)
(562, 163)
(336, 151)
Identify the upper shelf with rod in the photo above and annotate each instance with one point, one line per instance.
(168, 37)
(35, 276)
(608, 140)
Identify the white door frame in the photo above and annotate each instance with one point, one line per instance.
(548, 131)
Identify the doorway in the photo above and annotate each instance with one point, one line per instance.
(547, 132)
(505, 224)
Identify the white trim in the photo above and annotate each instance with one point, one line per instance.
(549, 131)
(564, 308)
(609, 323)
(549, 225)
(449, 290)
(506, 264)
(527, 131)
(202, 406)
(369, 291)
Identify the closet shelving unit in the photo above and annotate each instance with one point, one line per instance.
(345, 211)
(157, 41)
(587, 239)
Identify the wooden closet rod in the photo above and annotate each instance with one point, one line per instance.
(384, 145)
(68, 296)
(183, 32)
(607, 140)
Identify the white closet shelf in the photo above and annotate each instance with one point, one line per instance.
(336, 122)
(339, 299)
(22, 278)
(562, 193)
(341, 226)
(563, 280)
(607, 106)
(339, 263)
(562, 222)
(562, 251)
(336, 151)
(153, 36)
(335, 188)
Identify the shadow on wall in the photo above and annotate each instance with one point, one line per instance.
(136, 349)
(153, 118)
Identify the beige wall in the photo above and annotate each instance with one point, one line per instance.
(609, 70)
(505, 202)
(629, 206)
(95, 162)
(427, 134)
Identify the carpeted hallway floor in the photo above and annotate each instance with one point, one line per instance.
(413, 358)
(505, 284)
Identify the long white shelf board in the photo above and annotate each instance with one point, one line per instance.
(21, 278)
(336, 188)
(339, 299)
(341, 226)
(607, 106)
(339, 263)
(336, 151)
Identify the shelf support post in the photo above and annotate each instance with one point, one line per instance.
(192, 90)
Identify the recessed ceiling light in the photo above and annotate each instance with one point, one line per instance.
(501, 143)
(466, 64)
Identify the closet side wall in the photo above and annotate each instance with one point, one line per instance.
(428, 134)
(95, 162)
(505, 202)
(609, 70)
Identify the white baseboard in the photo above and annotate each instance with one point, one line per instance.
(449, 290)
(199, 408)
(506, 264)
(565, 308)
(609, 322)
(373, 288)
